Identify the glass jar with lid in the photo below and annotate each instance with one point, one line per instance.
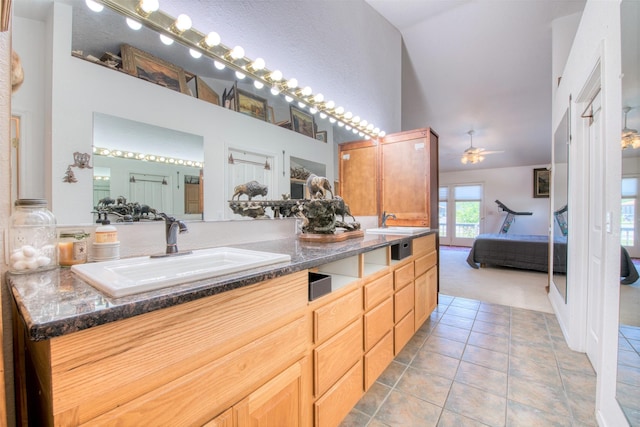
(72, 247)
(32, 237)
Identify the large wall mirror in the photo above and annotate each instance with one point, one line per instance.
(560, 169)
(63, 109)
(629, 322)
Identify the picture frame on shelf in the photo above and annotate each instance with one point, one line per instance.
(229, 100)
(321, 135)
(541, 182)
(271, 115)
(251, 105)
(302, 122)
(204, 92)
(145, 66)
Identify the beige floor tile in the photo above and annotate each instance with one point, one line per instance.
(431, 388)
(476, 404)
(495, 382)
(521, 415)
(533, 370)
(629, 375)
(629, 358)
(466, 303)
(583, 408)
(495, 308)
(442, 345)
(373, 398)
(501, 319)
(451, 332)
(487, 358)
(401, 409)
(540, 352)
(392, 374)
(451, 419)
(576, 383)
(355, 418)
(574, 361)
(436, 364)
(491, 328)
(462, 312)
(490, 342)
(628, 396)
(457, 321)
(541, 396)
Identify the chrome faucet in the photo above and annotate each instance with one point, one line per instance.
(173, 227)
(385, 217)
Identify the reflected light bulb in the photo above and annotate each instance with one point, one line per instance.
(340, 124)
(301, 104)
(275, 90)
(288, 98)
(240, 75)
(96, 7)
(258, 84)
(212, 39)
(237, 52)
(166, 40)
(219, 65)
(195, 53)
(323, 115)
(313, 110)
(134, 25)
(332, 120)
(347, 127)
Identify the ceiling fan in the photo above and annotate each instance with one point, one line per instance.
(473, 154)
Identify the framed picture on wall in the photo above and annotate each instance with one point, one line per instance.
(205, 93)
(541, 182)
(252, 105)
(147, 67)
(321, 135)
(302, 122)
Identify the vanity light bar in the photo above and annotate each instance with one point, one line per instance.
(106, 152)
(233, 58)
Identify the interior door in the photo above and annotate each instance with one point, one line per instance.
(629, 236)
(596, 231)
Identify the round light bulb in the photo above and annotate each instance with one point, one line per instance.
(332, 120)
(196, 54)
(348, 115)
(313, 110)
(323, 115)
(183, 22)
(330, 105)
(356, 119)
(237, 52)
(376, 131)
(275, 90)
(301, 104)
(276, 75)
(364, 123)
(134, 25)
(382, 133)
(149, 6)
(370, 127)
(292, 83)
(361, 134)
(339, 110)
(258, 64)
(240, 75)
(96, 7)
(340, 124)
(347, 127)
(166, 40)
(212, 39)
(306, 91)
(318, 98)
(219, 65)
(355, 131)
(258, 84)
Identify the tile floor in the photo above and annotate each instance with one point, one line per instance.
(479, 364)
(628, 390)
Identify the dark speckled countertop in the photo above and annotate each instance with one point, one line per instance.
(57, 302)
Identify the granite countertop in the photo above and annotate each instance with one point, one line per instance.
(57, 302)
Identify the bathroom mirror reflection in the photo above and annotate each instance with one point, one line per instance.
(629, 318)
(560, 190)
(141, 169)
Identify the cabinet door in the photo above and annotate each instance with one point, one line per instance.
(408, 177)
(426, 288)
(277, 403)
(223, 420)
(358, 177)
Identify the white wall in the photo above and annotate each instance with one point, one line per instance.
(514, 188)
(597, 40)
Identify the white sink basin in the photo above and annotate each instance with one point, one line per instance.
(397, 230)
(133, 275)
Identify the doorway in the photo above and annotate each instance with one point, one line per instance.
(459, 213)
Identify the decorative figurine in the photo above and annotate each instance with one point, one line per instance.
(251, 189)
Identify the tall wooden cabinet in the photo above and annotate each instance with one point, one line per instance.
(398, 174)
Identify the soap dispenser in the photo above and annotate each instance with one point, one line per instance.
(106, 246)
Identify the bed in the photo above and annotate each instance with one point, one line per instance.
(530, 252)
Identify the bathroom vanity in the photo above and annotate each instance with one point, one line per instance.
(241, 349)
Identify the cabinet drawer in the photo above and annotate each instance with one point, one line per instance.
(425, 262)
(403, 275)
(403, 302)
(336, 356)
(403, 332)
(378, 322)
(329, 319)
(331, 408)
(377, 360)
(377, 291)
(425, 244)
